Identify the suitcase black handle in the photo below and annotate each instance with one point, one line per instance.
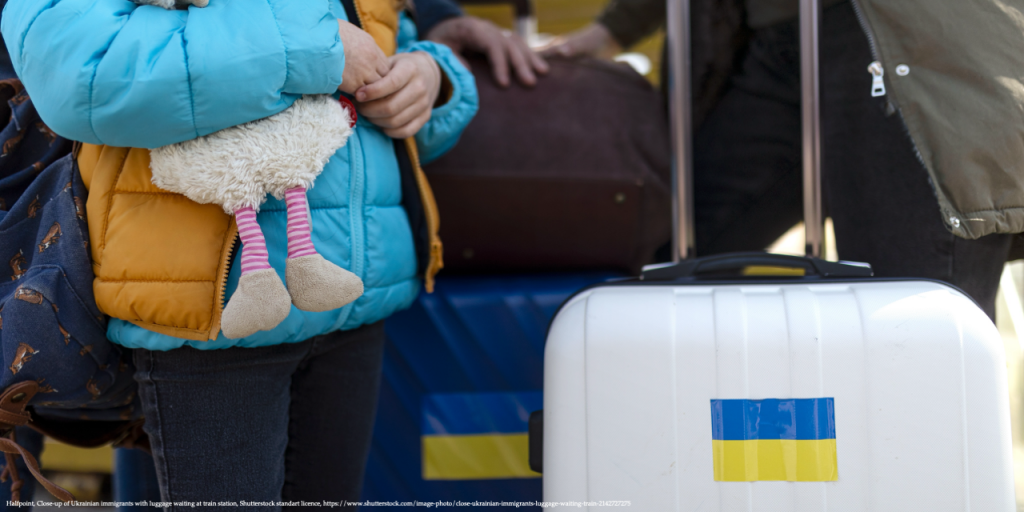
(742, 260)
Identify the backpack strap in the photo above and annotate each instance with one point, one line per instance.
(13, 401)
(10, 447)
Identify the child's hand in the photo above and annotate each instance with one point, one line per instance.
(401, 102)
(365, 63)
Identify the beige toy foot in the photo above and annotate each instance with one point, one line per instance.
(259, 304)
(319, 285)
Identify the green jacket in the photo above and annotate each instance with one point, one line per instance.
(961, 92)
(961, 96)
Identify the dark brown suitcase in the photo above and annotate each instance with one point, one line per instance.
(573, 174)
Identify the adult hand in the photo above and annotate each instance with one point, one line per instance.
(365, 63)
(401, 102)
(501, 47)
(594, 40)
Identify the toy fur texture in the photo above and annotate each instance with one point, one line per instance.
(238, 166)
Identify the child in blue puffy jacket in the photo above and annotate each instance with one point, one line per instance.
(284, 414)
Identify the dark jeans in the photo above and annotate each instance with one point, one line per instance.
(747, 166)
(289, 422)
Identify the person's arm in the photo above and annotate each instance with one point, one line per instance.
(455, 108)
(429, 13)
(111, 72)
(629, 21)
(622, 24)
(504, 50)
(442, 21)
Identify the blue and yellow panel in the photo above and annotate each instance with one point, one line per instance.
(774, 439)
(477, 436)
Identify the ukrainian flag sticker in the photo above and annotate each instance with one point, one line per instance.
(790, 440)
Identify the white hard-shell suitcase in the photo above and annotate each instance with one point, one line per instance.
(692, 389)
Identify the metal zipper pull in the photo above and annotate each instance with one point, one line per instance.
(877, 84)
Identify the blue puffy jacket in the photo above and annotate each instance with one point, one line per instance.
(110, 72)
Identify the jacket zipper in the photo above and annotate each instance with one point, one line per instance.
(222, 284)
(878, 89)
(226, 264)
(355, 203)
(357, 184)
(359, 15)
(875, 68)
(877, 83)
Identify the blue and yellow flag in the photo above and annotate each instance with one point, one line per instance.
(774, 439)
(474, 436)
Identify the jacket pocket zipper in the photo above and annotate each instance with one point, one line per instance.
(877, 84)
(875, 68)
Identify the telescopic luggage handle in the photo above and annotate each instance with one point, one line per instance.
(680, 113)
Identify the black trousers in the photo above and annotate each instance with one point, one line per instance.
(747, 166)
(289, 422)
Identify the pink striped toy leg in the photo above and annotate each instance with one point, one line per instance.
(299, 241)
(261, 301)
(314, 283)
(254, 246)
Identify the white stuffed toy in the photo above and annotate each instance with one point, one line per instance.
(236, 168)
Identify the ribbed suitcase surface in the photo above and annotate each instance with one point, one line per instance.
(660, 393)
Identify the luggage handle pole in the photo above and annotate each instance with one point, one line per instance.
(814, 226)
(680, 115)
